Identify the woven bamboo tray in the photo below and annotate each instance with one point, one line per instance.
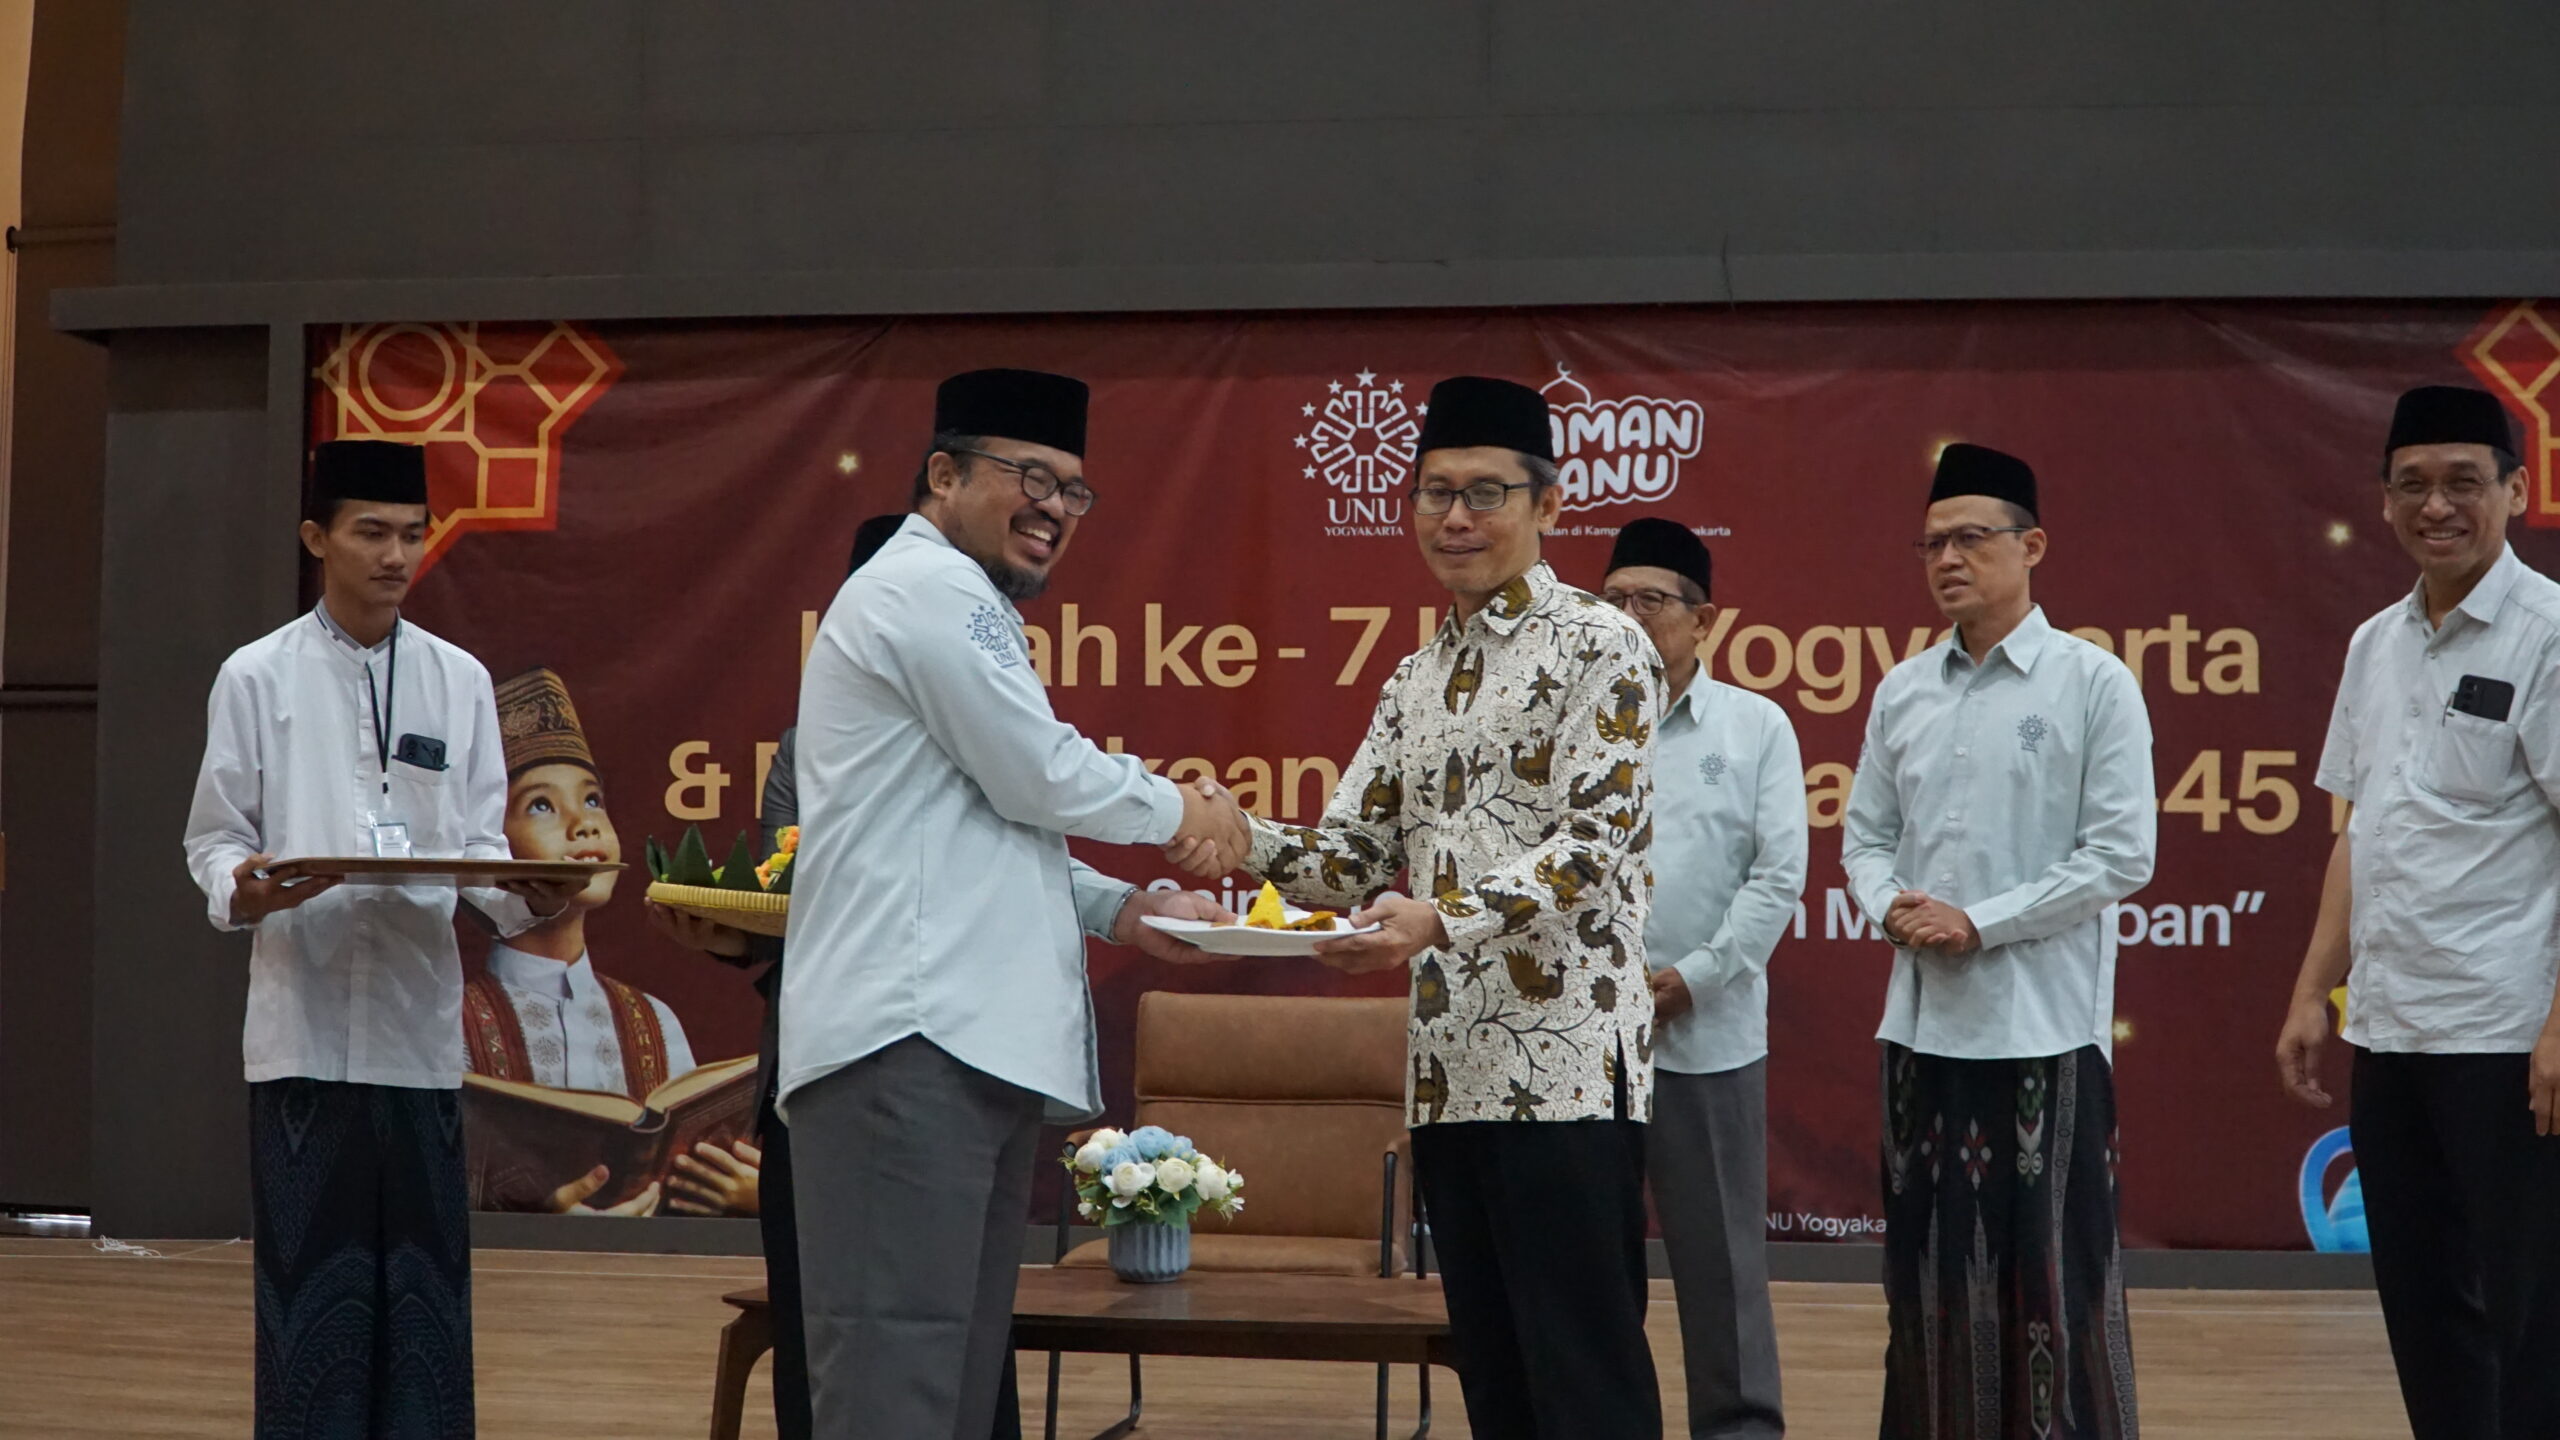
(754, 913)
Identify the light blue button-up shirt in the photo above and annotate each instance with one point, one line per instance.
(2018, 790)
(1728, 867)
(933, 894)
(2456, 928)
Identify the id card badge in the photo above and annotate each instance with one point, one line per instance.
(390, 839)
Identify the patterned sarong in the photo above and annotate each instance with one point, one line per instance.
(363, 1262)
(2002, 1275)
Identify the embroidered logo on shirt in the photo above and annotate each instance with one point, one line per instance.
(988, 630)
(1711, 769)
(2031, 730)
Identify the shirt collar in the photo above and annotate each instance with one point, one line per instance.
(931, 534)
(2486, 598)
(544, 977)
(2023, 646)
(329, 623)
(1513, 604)
(1692, 700)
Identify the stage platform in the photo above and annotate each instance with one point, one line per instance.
(105, 1347)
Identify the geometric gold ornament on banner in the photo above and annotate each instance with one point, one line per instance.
(490, 402)
(2516, 354)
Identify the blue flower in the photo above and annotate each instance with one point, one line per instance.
(1119, 1155)
(1152, 1142)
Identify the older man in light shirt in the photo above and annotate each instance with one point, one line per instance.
(1728, 865)
(935, 1006)
(2003, 801)
(2444, 894)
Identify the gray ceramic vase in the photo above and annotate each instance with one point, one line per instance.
(1145, 1253)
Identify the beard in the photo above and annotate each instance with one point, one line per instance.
(1019, 586)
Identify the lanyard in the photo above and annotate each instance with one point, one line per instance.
(382, 705)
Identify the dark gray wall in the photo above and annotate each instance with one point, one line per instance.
(1175, 152)
(285, 164)
(200, 561)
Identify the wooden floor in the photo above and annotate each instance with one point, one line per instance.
(95, 1345)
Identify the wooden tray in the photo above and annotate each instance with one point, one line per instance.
(431, 870)
(757, 914)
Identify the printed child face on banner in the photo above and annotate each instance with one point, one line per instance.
(1471, 552)
(1974, 569)
(984, 506)
(556, 812)
(2450, 506)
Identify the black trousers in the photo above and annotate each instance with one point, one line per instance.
(778, 1219)
(2462, 1200)
(363, 1261)
(1539, 1228)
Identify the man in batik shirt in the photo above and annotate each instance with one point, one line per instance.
(1507, 771)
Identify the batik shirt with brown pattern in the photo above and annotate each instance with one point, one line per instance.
(1508, 770)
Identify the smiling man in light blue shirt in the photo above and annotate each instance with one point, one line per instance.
(935, 1005)
(2003, 801)
(1728, 865)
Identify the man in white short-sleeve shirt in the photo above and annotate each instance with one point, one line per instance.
(2442, 911)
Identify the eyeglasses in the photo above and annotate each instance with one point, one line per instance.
(1039, 482)
(1643, 604)
(1967, 539)
(1482, 495)
(2460, 489)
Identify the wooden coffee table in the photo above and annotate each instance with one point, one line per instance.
(1231, 1316)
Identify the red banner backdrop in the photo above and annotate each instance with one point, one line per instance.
(658, 512)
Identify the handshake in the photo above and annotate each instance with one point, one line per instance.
(1215, 837)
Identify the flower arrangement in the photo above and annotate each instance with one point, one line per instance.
(774, 871)
(1149, 1176)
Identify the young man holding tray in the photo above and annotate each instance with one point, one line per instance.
(351, 732)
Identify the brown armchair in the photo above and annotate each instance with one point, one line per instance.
(1305, 1096)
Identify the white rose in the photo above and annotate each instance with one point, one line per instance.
(1089, 1159)
(1107, 1138)
(1214, 1183)
(1174, 1175)
(1132, 1178)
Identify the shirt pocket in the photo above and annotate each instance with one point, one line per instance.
(423, 800)
(2471, 759)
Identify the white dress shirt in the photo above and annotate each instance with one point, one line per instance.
(1728, 867)
(2456, 852)
(567, 1022)
(933, 894)
(363, 983)
(2019, 791)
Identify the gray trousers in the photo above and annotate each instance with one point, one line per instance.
(1709, 1164)
(913, 1178)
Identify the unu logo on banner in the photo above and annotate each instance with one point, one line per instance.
(1614, 452)
(1360, 444)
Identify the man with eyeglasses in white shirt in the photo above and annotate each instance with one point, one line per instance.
(2003, 801)
(935, 1006)
(1728, 865)
(2441, 912)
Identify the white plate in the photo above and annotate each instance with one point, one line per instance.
(1239, 940)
